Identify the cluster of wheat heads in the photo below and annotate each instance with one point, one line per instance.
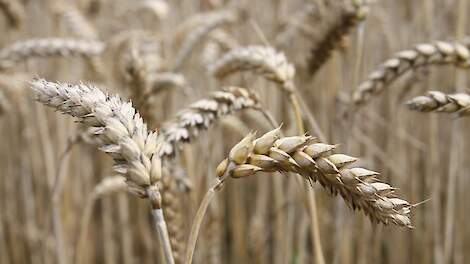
(182, 64)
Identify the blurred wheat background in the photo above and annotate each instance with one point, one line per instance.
(61, 202)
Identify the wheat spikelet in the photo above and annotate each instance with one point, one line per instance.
(201, 114)
(439, 52)
(338, 18)
(440, 102)
(263, 60)
(13, 11)
(75, 22)
(359, 187)
(196, 36)
(48, 47)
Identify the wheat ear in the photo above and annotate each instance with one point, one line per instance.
(48, 47)
(122, 134)
(440, 102)
(75, 21)
(263, 60)
(359, 187)
(198, 34)
(13, 11)
(338, 18)
(201, 114)
(439, 52)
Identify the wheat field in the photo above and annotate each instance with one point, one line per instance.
(217, 131)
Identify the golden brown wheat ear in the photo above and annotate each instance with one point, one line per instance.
(331, 25)
(271, 152)
(359, 187)
(440, 102)
(13, 11)
(48, 47)
(122, 134)
(439, 52)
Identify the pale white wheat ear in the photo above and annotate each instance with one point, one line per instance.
(437, 53)
(271, 152)
(48, 47)
(440, 102)
(121, 133)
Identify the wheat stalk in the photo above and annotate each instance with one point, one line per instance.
(439, 52)
(440, 102)
(48, 47)
(359, 187)
(121, 133)
(201, 114)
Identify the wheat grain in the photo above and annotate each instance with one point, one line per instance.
(49, 47)
(436, 101)
(201, 114)
(439, 52)
(331, 25)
